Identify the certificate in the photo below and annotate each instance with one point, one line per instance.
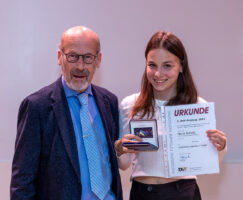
(146, 129)
(189, 150)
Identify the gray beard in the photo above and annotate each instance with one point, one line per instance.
(78, 88)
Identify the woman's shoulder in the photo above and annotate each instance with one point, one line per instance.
(201, 100)
(129, 101)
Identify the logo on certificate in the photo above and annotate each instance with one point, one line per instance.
(182, 169)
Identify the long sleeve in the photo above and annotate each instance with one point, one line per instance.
(27, 152)
(125, 160)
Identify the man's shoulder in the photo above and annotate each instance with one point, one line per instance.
(43, 95)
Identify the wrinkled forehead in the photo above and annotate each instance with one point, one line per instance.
(80, 42)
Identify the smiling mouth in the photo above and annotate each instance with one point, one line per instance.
(78, 74)
(80, 77)
(160, 81)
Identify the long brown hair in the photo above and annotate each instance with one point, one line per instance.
(186, 90)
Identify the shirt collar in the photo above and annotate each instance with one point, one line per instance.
(160, 102)
(70, 92)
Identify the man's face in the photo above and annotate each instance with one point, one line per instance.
(78, 75)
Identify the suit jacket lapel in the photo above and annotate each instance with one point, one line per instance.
(64, 122)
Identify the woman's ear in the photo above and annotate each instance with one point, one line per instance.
(181, 69)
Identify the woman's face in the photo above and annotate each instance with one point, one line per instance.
(162, 70)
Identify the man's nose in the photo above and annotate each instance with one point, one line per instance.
(80, 63)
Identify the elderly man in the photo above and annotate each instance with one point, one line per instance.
(65, 133)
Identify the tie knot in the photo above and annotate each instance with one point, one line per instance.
(83, 98)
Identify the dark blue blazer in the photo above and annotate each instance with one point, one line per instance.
(45, 164)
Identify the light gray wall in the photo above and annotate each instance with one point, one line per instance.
(210, 30)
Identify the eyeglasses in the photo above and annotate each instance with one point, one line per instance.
(73, 57)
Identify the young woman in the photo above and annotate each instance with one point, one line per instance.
(167, 80)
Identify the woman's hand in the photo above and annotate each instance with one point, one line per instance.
(218, 138)
(120, 149)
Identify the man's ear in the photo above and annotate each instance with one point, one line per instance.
(59, 57)
(99, 57)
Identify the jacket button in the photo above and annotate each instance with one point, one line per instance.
(149, 188)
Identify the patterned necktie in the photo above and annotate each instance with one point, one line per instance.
(97, 179)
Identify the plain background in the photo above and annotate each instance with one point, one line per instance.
(211, 31)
